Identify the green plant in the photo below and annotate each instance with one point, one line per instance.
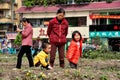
(0, 60)
(29, 75)
(1, 1)
(29, 3)
(91, 54)
(103, 77)
(18, 39)
(17, 78)
(103, 48)
(67, 71)
(96, 40)
(41, 76)
(76, 73)
(118, 74)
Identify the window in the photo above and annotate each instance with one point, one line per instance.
(77, 21)
(114, 21)
(82, 21)
(73, 21)
(39, 22)
(70, 2)
(1, 14)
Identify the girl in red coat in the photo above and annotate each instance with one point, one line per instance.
(75, 49)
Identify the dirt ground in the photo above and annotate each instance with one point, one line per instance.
(88, 69)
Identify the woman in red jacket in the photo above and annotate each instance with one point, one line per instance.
(75, 49)
(57, 32)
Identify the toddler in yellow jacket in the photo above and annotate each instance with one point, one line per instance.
(42, 57)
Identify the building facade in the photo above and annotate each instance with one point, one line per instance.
(92, 19)
(8, 17)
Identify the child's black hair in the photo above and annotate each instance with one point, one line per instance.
(44, 45)
(61, 10)
(73, 34)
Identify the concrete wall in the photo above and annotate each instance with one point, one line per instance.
(53, 14)
(43, 32)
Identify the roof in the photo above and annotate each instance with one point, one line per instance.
(74, 7)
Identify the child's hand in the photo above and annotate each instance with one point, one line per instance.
(49, 67)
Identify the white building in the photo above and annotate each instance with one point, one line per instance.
(92, 19)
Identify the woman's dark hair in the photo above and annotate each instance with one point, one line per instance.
(73, 34)
(61, 10)
(44, 45)
(26, 20)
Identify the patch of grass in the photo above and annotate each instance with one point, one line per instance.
(111, 69)
(118, 74)
(1, 70)
(101, 55)
(76, 73)
(0, 60)
(87, 77)
(103, 77)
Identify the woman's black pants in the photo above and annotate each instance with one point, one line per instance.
(23, 50)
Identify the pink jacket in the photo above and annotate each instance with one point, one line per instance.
(27, 35)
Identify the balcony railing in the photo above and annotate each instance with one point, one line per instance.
(4, 20)
(4, 6)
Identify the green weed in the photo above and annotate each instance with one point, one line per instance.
(103, 77)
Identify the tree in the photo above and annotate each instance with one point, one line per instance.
(109, 1)
(82, 1)
(1, 1)
(18, 40)
(30, 3)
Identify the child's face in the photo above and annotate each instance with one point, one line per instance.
(48, 48)
(77, 37)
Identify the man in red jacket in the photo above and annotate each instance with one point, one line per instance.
(57, 32)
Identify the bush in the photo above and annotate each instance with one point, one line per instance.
(101, 54)
(18, 39)
(109, 1)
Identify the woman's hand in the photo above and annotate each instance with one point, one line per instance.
(18, 29)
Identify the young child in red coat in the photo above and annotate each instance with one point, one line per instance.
(75, 49)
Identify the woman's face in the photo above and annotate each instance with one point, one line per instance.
(24, 23)
(60, 16)
(77, 37)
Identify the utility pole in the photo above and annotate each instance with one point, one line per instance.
(12, 10)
